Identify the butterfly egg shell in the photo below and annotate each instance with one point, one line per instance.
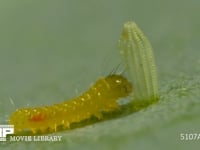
(101, 97)
(138, 58)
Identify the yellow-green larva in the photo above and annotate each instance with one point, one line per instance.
(101, 97)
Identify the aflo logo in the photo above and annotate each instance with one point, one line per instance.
(5, 130)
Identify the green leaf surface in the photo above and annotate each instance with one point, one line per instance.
(51, 49)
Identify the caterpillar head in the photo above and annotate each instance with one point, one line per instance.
(119, 85)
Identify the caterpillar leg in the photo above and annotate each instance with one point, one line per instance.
(111, 106)
(98, 115)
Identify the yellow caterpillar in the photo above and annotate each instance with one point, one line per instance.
(101, 97)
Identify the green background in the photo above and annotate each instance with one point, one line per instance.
(53, 50)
